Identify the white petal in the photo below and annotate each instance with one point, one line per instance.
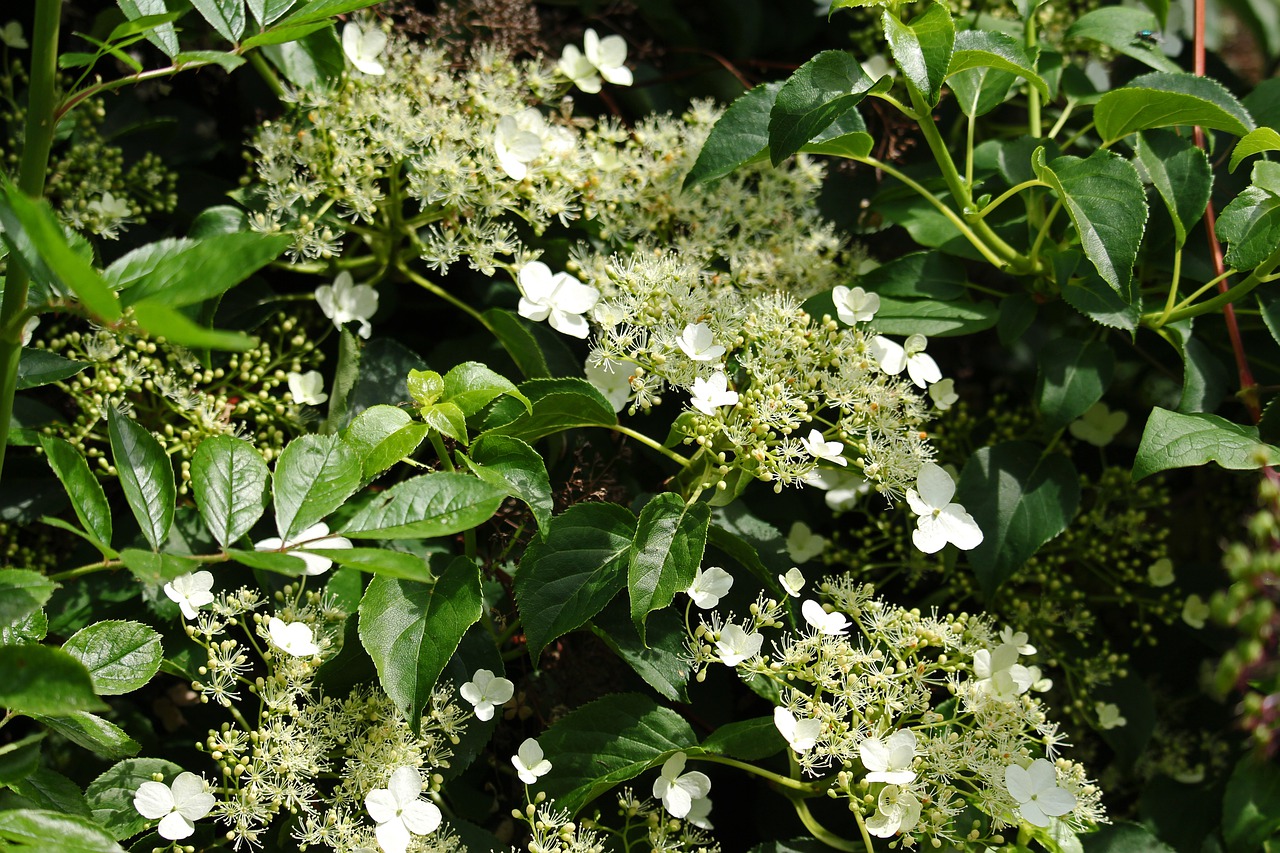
(174, 826)
(785, 722)
(929, 536)
(573, 325)
(619, 76)
(923, 370)
(1018, 781)
(153, 800)
(189, 796)
(405, 784)
(677, 801)
(935, 485)
(530, 310)
(696, 784)
(1056, 801)
(381, 805)
(891, 357)
(572, 296)
(392, 836)
(421, 818)
(918, 506)
(610, 52)
(1033, 814)
(874, 754)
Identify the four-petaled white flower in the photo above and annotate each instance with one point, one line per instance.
(11, 35)
(1000, 674)
(399, 813)
(316, 536)
(896, 811)
(177, 806)
(1036, 791)
(517, 142)
(792, 581)
(600, 57)
(613, 380)
(943, 393)
(889, 760)
(736, 645)
(801, 734)
(941, 520)
(843, 488)
(191, 592)
(678, 791)
(893, 358)
(819, 448)
(292, 638)
(697, 342)
(1160, 573)
(560, 297)
(1109, 716)
(803, 544)
(1019, 639)
(1098, 425)
(529, 762)
(307, 388)
(711, 394)
(110, 207)
(826, 623)
(709, 587)
(364, 46)
(1195, 611)
(854, 305)
(485, 691)
(700, 813)
(344, 302)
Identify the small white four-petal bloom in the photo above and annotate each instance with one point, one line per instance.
(710, 394)
(1036, 791)
(736, 645)
(517, 142)
(889, 760)
(679, 791)
(802, 735)
(363, 46)
(559, 298)
(292, 638)
(825, 623)
(177, 806)
(792, 581)
(803, 544)
(709, 587)
(344, 302)
(191, 592)
(819, 448)
(893, 358)
(941, 520)
(600, 57)
(485, 691)
(613, 380)
(307, 388)
(398, 811)
(854, 305)
(697, 342)
(897, 810)
(530, 762)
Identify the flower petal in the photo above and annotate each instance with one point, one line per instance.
(392, 836)
(935, 485)
(420, 817)
(175, 826)
(153, 800)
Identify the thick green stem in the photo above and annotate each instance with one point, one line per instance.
(1222, 300)
(650, 443)
(1033, 94)
(1171, 302)
(804, 789)
(1008, 194)
(31, 176)
(823, 834)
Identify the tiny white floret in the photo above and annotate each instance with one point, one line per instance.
(889, 760)
(854, 305)
(191, 592)
(1036, 791)
(316, 536)
(709, 587)
(529, 762)
(307, 388)
(679, 791)
(485, 692)
(559, 298)
(825, 623)
(736, 645)
(802, 735)
(398, 811)
(792, 581)
(697, 342)
(941, 520)
(819, 448)
(177, 806)
(363, 46)
(803, 544)
(292, 638)
(344, 302)
(710, 394)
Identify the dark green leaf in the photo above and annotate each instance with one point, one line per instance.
(383, 435)
(1117, 27)
(154, 569)
(739, 137)
(120, 656)
(198, 58)
(987, 49)
(1161, 99)
(1255, 142)
(558, 405)
(146, 476)
(345, 377)
(570, 577)
(978, 91)
(44, 680)
(22, 592)
(270, 561)
(219, 219)
(225, 16)
(43, 831)
(314, 476)
(1123, 837)
(412, 629)
(268, 11)
(1251, 805)
(1017, 313)
(19, 759)
(471, 386)
(38, 367)
(1096, 299)
(746, 740)
(1250, 225)
(666, 554)
(1204, 378)
(1173, 440)
(179, 272)
(379, 561)
(49, 790)
(1073, 375)
(280, 35)
(820, 91)
(513, 465)
(1180, 172)
(87, 497)
(317, 10)
(111, 795)
(229, 482)
(161, 320)
(439, 504)
(919, 275)
(932, 318)
(661, 658)
(922, 49)
(310, 61)
(101, 737)
(164, 36)
(519, 342)
(1021, 500)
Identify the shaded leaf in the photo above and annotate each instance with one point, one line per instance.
(146, 476)
(1174, 440)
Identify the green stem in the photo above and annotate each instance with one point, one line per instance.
(31, 176)
(1171, 302)
(803, 789)
(120, 82)
(1033, 94)
(436, 289)
(1221, 300)
(1008, 194)
(1207, 286)
(823, 834)
(650, 443)
(266, 72)
(862, 828)
(1044, 229)
(1062, 119)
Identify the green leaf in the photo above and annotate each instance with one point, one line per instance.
(189, 59)
(1250, 226)
(45, 680)
(20, 758)
(845, 137)
(225, 16)
(139, 26)
(269, 561)
(154, 569)
(1266, 176)
(383, 435)
(922, 49)
(558, 405)
(932, 318)
(514, 335)
(740, 136)
(446, 419)
(87, 497)
(1021, 500)
(746, 740)
(120, 656)
(1255, 142)
(666, 554)
(819, 92)
(379, 561)
(309, 61)
(513, 465)
(661, 658)
(280, 35)
(574, 573)
(180, 272)
(988, 49)
(471, 386)
(608, 742)
(1017, 313)
(1251, 805)
(1181, 174)
(1117, 27)
(146, 476)
(110, 796)
(411, 630)
(102, 737)
(38, 367)
(161, 320)
(314, 476)
(42, 831)
(978, 91)
(22, 592)
(1108, 206)
(1073, 375)
(1096, 299)
(1124, 837)
(1174, 440)
(50, 790)
(345, 377)
(229, 482)
(268, 11)
(1161, 99)
(164, 36)
(439, 504)
(318, 10)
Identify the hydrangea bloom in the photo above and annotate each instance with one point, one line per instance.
(315, 536)
(613, 380)
(307, 388)
(177, 806)
(825, 623)
(1098, 425)
(736, 645)
(803, 544)
(697, 342)
(943, 393)
(889, 760)
(292, 638)
(517, 142)
(893, 358)
(529, 762)
(191, 592)
(600, 57)
(1000, 674)
(819, 448)
(941, 520)
(363, 47)
(679, 791)
(485, 691)
(344, 302)
(854, 305)
(560, 297)
(792, 581)
(709, 587)
(1036, 790)
(802, 735)
(398, 811)
(897, 810)
(710, 394)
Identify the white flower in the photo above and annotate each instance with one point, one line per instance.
(1019, 639)
(529, 762)
(697, 342)
(29, 328)
(943, 393)
(11, 35)
(292, 638)
(819, 448)
(677, 791)
(191, 592)
(1037, 793)
(316, 536)
(1195, 611)
(1160, 573)
(854, 305)
(803, 544)
(892, 358)
(1000, 674)
(363, 47)
(896, 811)
(889, 760)
(792, 581)
(307, 388)
(110, 207)
(878, 65)
(826, 623)
(711, 394)
(941, 521)
(843, 488)
(561, 297)
(399, 813)
(736, 645)
(485, 691)
(344, 302)
(1039, 683)
(801, 734)
(699, 813)
(613, 380)
(177, 806)
(1109, 716)
(709, 587)
(517, 142)
(603, 57)
(1098, 425)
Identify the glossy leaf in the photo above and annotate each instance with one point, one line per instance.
(225, 16)
(101, 737)
(162, 320)
(439, 504)
(307, 61)
(978, 91)
(146, 476)
(229, 482)
(987, 49)
(740, 136)
(1096, 299)
(314, 475)
(383, 435)
(1116, 27)
(164, 36)
(819, 92)
(933, 318)
(558, 405)
(1255, 142)
(515, 337)
(1162, 99)
(88, 499)
(280, 35)
(110, 796)
(37, 367)
(569, 578)
(471, 386)
(513, 465)
(268, 11)
(922, 49)
(1073, 375)
(1180, 172)
(1174, 440)
(120, 656)
(1250, 226)
(379, 561)
(45, 680)
(317, 10)
(661, 658)
(40, 831)
(746, 740)
(50, 790)
(345, 377)
(22, 592)
(666, 554)
(179, 272)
